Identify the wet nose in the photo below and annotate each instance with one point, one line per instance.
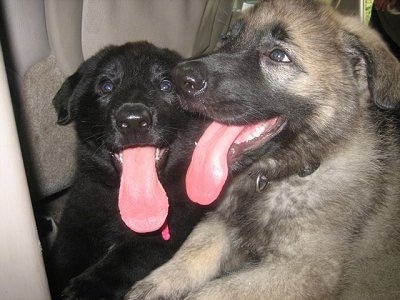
(190, 78)
(132, 117)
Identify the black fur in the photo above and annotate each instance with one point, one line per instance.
(94, 248)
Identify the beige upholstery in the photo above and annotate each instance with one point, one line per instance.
(64, 27)
(51, 146)
(22, 271)
(176, 24)
(50, 38)
(171, 24)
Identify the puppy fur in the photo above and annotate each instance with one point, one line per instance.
(96, 256)
(325, 222)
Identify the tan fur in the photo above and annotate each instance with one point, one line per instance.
(334, 234)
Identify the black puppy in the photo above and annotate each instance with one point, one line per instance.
(133, 142)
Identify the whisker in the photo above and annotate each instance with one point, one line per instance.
(99, 135)
(98, 148)
(166, 141)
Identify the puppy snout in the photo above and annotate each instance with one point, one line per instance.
(130, 117)
(190, 78)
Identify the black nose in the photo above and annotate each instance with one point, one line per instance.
(132, 117)
(190, 78)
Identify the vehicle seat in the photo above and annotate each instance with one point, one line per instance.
(47, 41)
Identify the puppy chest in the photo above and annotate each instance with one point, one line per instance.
(258, 218)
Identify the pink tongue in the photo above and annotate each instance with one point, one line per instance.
(143, 203)
(208, 170)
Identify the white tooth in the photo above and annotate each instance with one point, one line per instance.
(257, 133)
(260, 130)
(120, 157)
(158, 154)
(195, 143)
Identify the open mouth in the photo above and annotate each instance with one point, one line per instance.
(254, 136)
(160, 158)
(142, 200)
(219, 146)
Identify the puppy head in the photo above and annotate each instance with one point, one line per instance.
(122, 103)
(290, 86)
(121, 96)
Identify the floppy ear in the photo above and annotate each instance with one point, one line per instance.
(66, 98)
(369, 53)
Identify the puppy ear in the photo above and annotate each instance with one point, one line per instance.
(66, 98)
(370, 55)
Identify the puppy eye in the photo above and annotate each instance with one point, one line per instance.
(279, 56)
(166, 85)
(106, 87)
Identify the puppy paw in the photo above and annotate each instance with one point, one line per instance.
(89, 288)
(142, 290)
(148, 290)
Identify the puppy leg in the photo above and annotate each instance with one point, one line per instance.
(198, 261)
(113, 275)
(275, 280)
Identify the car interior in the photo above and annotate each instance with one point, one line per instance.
(43, 42)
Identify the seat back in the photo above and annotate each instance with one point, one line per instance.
(49, 40)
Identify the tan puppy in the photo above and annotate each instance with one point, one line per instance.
(303, 159)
